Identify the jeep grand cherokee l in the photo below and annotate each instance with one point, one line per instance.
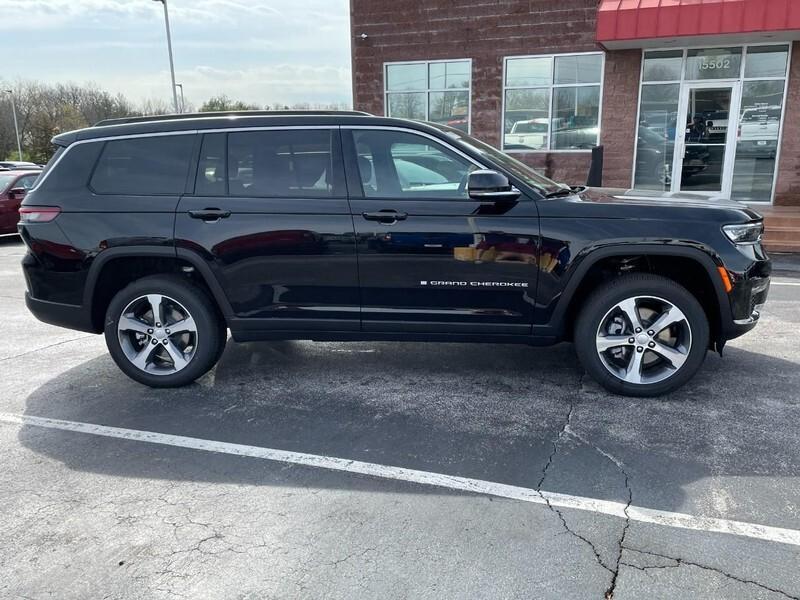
(164, 233)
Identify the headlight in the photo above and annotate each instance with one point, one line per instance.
(746, 233)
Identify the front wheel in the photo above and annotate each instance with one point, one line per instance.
(641, 335)
(163, 331)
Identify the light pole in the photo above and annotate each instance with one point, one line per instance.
(16, 126)
(183, 100)
(169, 48)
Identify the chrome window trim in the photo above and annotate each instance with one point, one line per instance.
(169, 133)
(266, 128)
(104, 139)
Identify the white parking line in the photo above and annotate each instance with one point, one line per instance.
(792, 283)
(465, 484)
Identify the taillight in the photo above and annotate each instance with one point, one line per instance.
(38, 214)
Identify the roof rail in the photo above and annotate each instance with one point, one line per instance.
(226, 113)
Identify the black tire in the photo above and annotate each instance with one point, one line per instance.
(210, 338)
(602, 300)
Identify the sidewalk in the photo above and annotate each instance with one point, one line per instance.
(781, 228)
(785, 263)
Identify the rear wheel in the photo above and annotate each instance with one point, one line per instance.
(642, 335)
(163, 331)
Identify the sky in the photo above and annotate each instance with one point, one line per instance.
(259, 51)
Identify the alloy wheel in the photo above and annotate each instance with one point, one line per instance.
(157, 334)
(643, 340)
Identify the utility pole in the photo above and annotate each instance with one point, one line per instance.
(169, 48)
(16, 126)
(183, 100)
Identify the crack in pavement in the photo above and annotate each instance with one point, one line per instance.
(555, 510)
(566, 430)
(48, 346)
(679, 562)
(621, 544)
(609, 594)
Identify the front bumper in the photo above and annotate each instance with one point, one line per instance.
(747, 300)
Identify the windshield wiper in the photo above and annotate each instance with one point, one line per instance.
(560, 192)
(565, 191)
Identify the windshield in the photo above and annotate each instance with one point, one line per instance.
(516, 168)
(651, 137)
(5, 181)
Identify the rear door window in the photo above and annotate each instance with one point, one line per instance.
(147, 166)
(211, 169)
(280, 164)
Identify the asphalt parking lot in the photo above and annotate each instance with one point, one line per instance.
(379, 470)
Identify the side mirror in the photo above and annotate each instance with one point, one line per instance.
(17, 193)
(491, 186)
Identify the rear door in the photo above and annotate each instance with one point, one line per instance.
(430, 258)
(269, 213)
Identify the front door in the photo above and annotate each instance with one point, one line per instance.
(706, 138)
(431, 259)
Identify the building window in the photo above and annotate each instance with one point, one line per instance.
(710, 119)
(552, 102)
(437, 91)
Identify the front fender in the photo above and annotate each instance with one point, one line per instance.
(556, 311)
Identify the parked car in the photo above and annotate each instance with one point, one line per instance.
(716, 125)
(326, 242)
(653, 156)
(15, 164)
(758, 132)
(575, 133)
(14, 184)
(531, 134)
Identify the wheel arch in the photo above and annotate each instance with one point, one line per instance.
(114, 268)
(664, 259)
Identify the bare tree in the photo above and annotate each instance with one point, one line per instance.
(45, 110)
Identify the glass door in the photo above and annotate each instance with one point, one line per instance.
(704, 153)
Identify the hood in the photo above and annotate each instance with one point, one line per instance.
(621, 203)
(613, 203)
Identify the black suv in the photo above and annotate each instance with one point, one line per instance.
(164, 233)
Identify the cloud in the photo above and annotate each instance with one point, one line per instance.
(284, 83)
(36, 14)
(256, 50)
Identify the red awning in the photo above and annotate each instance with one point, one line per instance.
(634, 20)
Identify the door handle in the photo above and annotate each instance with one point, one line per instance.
(385, 216)
(209, 215)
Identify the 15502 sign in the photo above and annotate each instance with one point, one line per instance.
(711, 63)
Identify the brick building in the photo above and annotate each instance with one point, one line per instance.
(683, 95)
